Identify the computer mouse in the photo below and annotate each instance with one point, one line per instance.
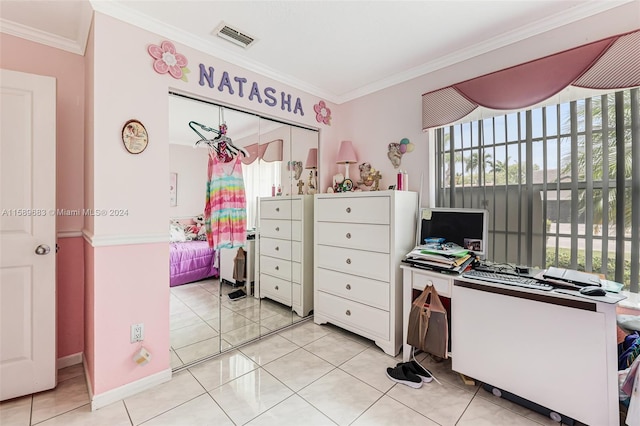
(593, 291)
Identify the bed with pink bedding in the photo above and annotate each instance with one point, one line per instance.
(191, 261)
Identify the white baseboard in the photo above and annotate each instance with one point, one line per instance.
(125, 391)
(69, 360)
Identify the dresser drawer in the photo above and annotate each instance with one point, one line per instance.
(354, 235)
(283, 249)
(354, 210)
(355, 262)
(286, 208)
(285, 269)
(370, 292)
(374, 322)
(275, 288)
(284, 229)
(442, 283)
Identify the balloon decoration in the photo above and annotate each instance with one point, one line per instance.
(397, 150)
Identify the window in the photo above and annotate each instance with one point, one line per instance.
(259, 177)
(562, 183)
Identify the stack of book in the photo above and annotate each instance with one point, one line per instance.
(440, 257)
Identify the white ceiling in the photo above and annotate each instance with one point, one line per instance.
(336, 50)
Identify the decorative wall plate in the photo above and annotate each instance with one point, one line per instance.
(134, 136)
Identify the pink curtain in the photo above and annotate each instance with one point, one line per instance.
(270, 151)
(611, 63)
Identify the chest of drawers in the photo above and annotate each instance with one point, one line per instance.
(286, 251)
(360, 239)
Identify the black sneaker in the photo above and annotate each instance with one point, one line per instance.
(402, 374)
(238, 294)
(418, 370)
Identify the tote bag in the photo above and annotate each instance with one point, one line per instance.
(428, 328)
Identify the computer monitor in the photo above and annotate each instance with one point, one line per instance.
(467, 228)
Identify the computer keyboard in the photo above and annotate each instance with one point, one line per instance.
(501, 278)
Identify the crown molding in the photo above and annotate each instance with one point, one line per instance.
(42, 37)
(77, 46)
(533, 29)
(124, 13)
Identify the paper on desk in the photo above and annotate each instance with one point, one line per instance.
(611, 286)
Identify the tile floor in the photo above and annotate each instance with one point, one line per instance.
(202, 324)
(304, 375)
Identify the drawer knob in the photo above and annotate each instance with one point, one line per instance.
(276, 287)
(348, 286)
(277, 268)
(348, 209)
(277, 248)
(348, 313)
(348, 235)
(348, 261)
(277, 209)
(277, 228)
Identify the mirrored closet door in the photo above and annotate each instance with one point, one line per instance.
(265, 285)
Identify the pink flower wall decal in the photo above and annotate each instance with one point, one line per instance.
(323, 114)
(167, 60)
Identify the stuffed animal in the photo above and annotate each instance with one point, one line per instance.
(202, 231)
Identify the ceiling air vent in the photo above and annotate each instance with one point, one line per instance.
(234, 36)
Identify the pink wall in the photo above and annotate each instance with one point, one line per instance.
(70, 296)
(68, 69)
(89, 313)
(131, 286)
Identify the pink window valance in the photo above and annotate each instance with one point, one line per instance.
(270, 151)
(612, 63)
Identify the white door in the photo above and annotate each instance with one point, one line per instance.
(27, 227)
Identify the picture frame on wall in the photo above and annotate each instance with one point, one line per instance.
(173, 189)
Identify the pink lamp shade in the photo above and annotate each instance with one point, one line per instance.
(346, 156)
(312, 159)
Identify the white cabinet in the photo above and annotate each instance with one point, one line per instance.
(286, 251)
(360, 239)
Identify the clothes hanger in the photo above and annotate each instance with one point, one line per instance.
(221, 137)
(203, 139)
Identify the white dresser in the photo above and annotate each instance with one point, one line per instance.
(286, 251)
(360, 239)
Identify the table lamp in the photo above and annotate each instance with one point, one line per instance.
(312, 164)
(346, 156)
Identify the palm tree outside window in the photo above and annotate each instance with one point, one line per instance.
(562, 183)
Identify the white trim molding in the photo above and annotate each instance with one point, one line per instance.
(77, 45)
(125, 391)
(123, 240)
(69, 234)
(69, 360)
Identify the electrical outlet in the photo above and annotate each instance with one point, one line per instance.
(137, 332)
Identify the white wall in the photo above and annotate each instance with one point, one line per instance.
(191, 166)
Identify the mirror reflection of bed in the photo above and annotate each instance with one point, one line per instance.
(204, 319)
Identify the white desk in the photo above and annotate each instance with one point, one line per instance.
(557, 350)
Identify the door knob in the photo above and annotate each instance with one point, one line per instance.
(43, 249)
